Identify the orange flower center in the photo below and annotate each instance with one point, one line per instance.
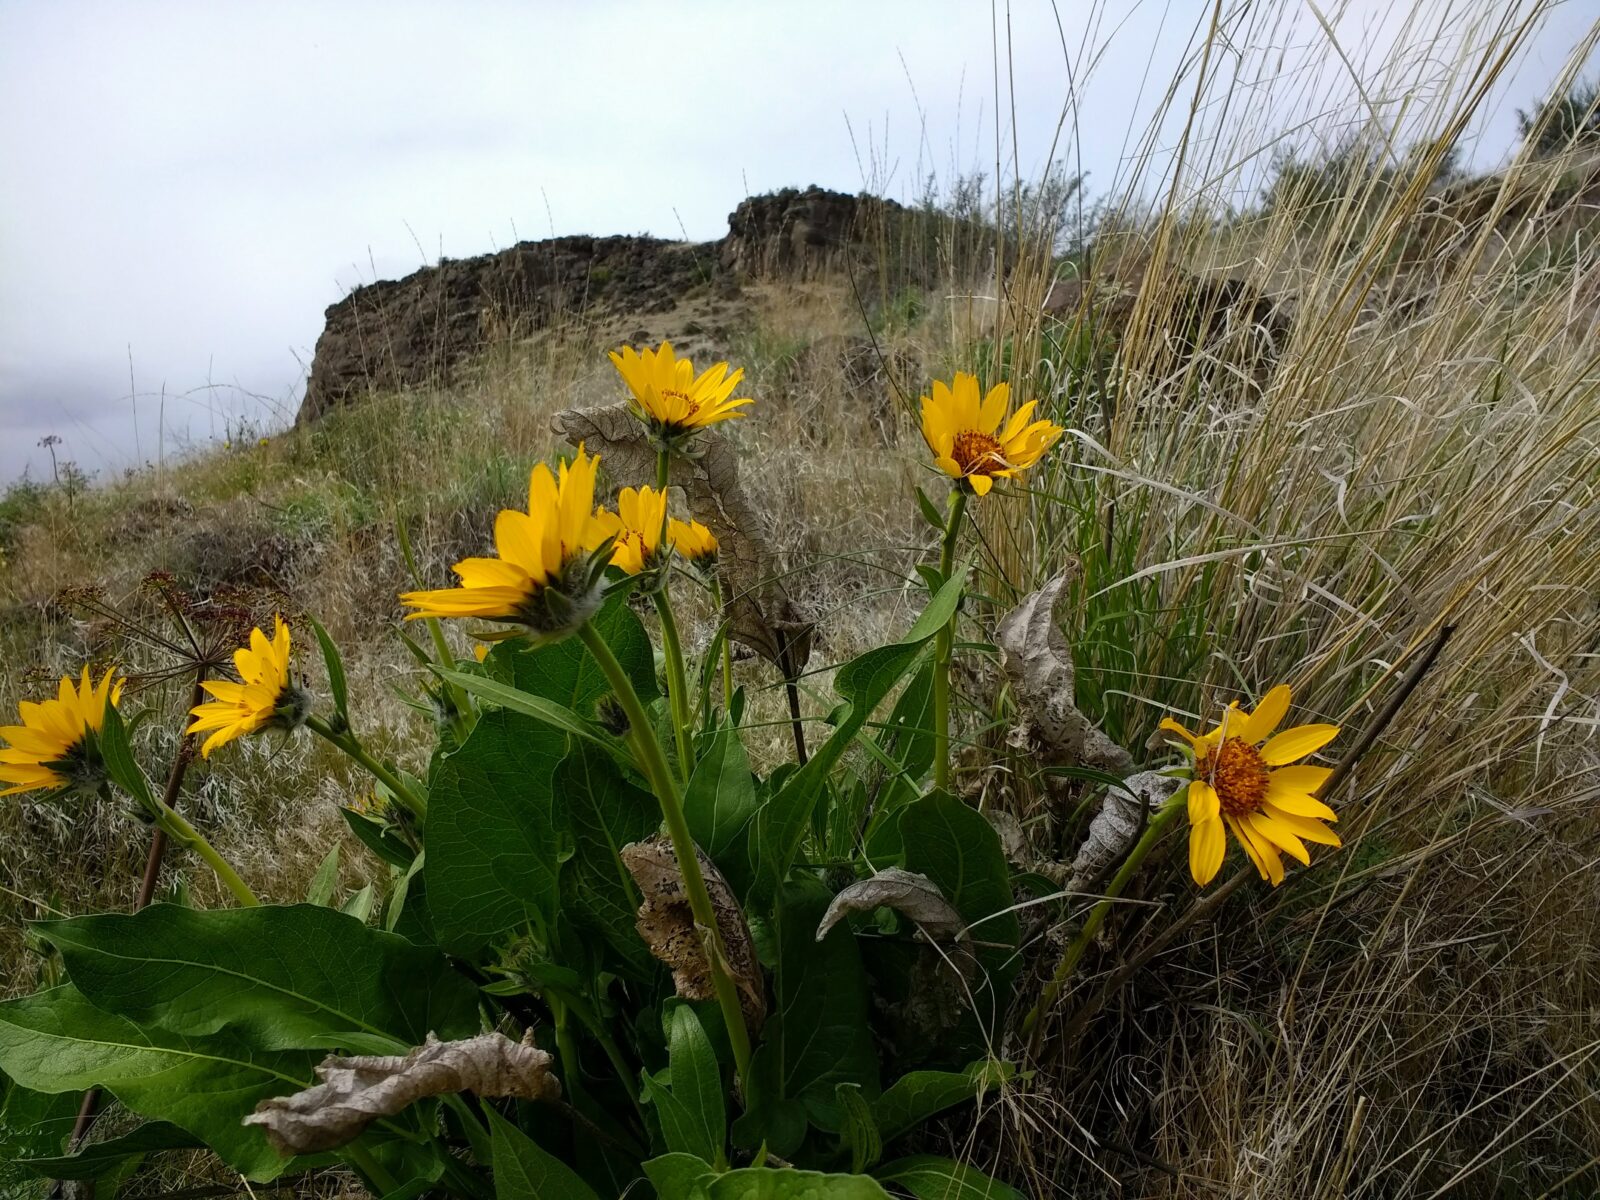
(977, 453)
(1236, 771)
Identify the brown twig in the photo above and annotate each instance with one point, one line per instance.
(147, 890)
(1203, 908)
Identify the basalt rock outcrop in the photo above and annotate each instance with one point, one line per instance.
(416, 331)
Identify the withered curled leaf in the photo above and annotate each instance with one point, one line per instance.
(357, 1091)
(666, 922)
(914, 896)
(1039, 663)
(1118, 824)
(762, 615)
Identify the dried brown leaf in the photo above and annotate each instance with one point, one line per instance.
(666, 922)
(1039, 663)
(1118, 824)
(761, 614)
(914, 896)
(357, 1091)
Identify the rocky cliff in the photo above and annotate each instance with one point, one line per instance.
(416, 330)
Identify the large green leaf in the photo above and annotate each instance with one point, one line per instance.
(605, 812)
(863, 682)
(817, 1036)
(693, 1117)
(954, 845)
(679, 1176)
(762, 1183)
(720, 803)
(56, 1041)
(929, 1177)
(495, 833)
(566, 672)
(279, 977)
(525, 1170)
(97, 1158)
(918, 1095)
(495, 846)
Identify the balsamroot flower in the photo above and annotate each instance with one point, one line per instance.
(549, 576)
(636, 525)
(1247, 777)
(965, 434)
(670, 398)
(57, 744)
(694, 543)
(265, 696)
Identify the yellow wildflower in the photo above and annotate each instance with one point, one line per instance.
(1251, 779)
(967, 439)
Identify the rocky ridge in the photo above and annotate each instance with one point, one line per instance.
(417, 330)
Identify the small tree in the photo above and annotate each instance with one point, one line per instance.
(1564, 119)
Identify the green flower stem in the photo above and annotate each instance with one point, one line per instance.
(361, 1158)
(460, 704)
(654, 764)
(727, 648)
(677, 685)
(942, 645)
(177, 827)
(1033, 1025)
(591, 1021)
(347, 742)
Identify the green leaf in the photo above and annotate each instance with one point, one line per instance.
(276, 977)
(566, 673)
(56, 1041)
(335, 665)
(605, 813)
(375, 837)
(863, 682)
(679, 1176)
(929, 1177)
(360, 904)
(95, 1160)
(525, 1170)
(325, 880)
(858, 1130)
(818, 1034)
(693, 1119)
(930, 511)
(918, 1095)
(537, 707)
(495, 846)
(953, 844)
(121, 765)
(763, 1183)
(720, 803)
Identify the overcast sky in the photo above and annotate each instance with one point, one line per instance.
(189, 185)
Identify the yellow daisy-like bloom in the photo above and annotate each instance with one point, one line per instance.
(670, 398)
(636, 525)
(547, 577)
(264, 695)
(693, 541)
(1251, 779)
(56, 744)
(965, 434)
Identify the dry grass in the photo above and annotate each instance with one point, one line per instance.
(1416, 1015)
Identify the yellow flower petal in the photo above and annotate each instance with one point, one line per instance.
(1268, 715)
(1279, 835)
(1207, 844)
(1296, 743)
(1204, 804)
